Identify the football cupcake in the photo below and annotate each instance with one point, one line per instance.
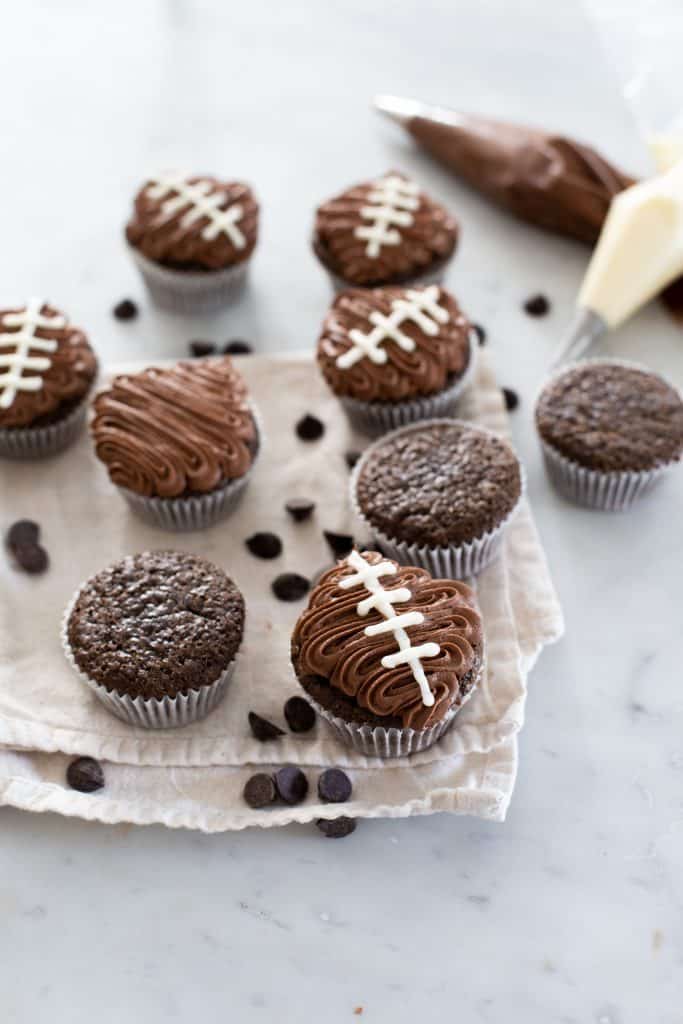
(192, 237)
(155, 636)
(384, 232)
(387, 654)
(179, 443)
(396, 355)
(47, 369)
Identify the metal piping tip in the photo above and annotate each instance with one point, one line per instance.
(397, 108)
(587, 327)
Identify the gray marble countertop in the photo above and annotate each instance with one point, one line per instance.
(572, 910)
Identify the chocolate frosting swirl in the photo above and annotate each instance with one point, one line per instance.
(433, 363)
(172, 432)
(329, 641)
(72, 370)
(428, 241)
(166, 238)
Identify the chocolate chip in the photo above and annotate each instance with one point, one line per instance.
(480, 333)
(537, 305)
(125, 310)
(352, 458)
(31, 558)
(198, 349)
(291, 784)
(264, 545)
(289, 586)
(24, 531)
(299, 714)
(300, 508)
(85, 774)
(262, 729)
(259, 790)
(340, 543)
(337, 828)
(511, 399)
(309, 428)
(237, 348)
(334, 786)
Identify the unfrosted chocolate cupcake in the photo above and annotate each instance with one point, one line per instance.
(384, 232)
(438, 494)
(395, 355)
(192, 237)
(155, 636)
(387, 653)
(609, 430)
(179, 442)
(47, 369)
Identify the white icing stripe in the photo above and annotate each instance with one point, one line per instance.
(200, 202)
(23, 341)
(368, 576)
(420, 307)
(393, 200)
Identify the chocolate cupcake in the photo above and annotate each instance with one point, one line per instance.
(388, 654)
(609, 431)
(192, 237)
(155, 636)
(47, 369)
(438, 494)
(384, 232)
(179, 443)
(396, 355)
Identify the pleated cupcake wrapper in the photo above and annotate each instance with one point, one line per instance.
(166, 713)
(593, 488)
(452, 562)
(39, 442)
(433, 276)
(377, 418)
(188, 291)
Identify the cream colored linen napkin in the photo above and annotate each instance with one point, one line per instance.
(193, 777)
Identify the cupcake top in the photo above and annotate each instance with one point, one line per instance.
(156, 624)
(388, 344)
(175, 432)
(611, 417)
(194, 222)
(400, 644)
(383, 232)
(438, 484)
(46, 365)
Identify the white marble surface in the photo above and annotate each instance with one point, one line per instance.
(571, 910)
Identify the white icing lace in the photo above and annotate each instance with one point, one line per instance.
(23, 342)
(200, 201)
(393, 201)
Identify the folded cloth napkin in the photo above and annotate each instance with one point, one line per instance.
(193, 777)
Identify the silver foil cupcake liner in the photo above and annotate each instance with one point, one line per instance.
(187, 291)
(377, 418)
(39, 442)
(452, 562)
(167, 713)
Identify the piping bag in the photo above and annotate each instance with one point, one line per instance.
(568, 188)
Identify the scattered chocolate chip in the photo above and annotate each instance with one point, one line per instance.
(299, 714)
(511, 399)
(289, 586)
(24, 531)
(259, 790)
(340, 543)
(537, 305)
(262, 729)
(31, 558)
(237, 348)
(334, 786)
(125, 310)
(291, 784)
(300, 508)
(309, 428)
(480, 333)
(198, 349)
(352, 458)
(337, 828)
(264, 545)
(85, 774)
